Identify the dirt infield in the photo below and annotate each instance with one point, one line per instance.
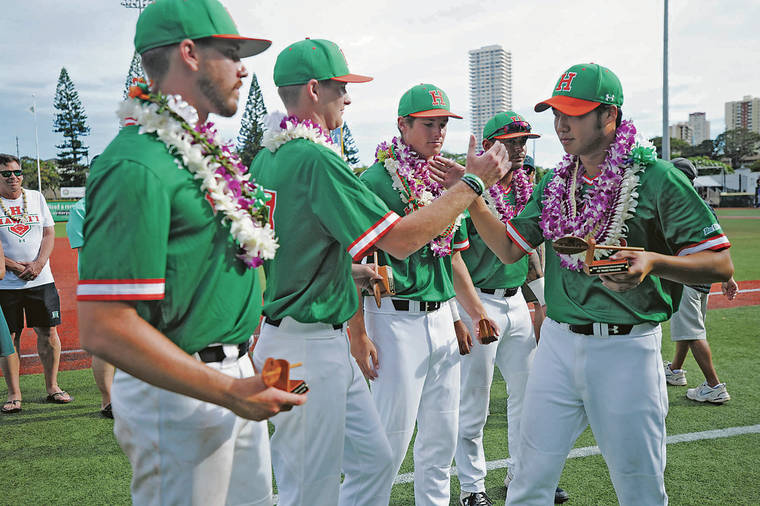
(64, 261)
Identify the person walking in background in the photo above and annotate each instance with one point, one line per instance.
(102, 371)
(28, 289)
(687, 330)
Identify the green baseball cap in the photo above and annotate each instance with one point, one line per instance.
(425, 101)
(309, 59)
(581, 89)
(167, 22)
(507, 125)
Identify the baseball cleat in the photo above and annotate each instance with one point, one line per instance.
(475, 499)
(677, 377)
(706, 393)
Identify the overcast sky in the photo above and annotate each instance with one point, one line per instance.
(714, 58)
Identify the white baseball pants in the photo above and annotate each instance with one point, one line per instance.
(418, 380)
(617, 385)
(336, 429)
(513, 353)
(185, 451)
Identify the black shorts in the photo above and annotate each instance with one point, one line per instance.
(40, 303)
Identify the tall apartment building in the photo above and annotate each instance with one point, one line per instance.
(681, 131)
(744, 113)
(490, 85)
(700, 128)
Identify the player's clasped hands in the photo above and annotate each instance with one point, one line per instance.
(253, 400)
(490, 166)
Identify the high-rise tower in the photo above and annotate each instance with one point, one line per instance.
(490, 85)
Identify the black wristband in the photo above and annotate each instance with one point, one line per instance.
(473, 186)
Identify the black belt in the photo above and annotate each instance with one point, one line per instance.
(276, 323)
(613, 329)
(216, 353)
(508, 292)
(403, 305)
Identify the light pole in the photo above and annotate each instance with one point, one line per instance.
(665, 119)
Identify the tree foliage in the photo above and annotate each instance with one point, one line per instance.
(252, 124)
(350, 150)
(678, 147)
(345, 140)
(48, 174)
(71, 122)
(707, 165)
(737, 144)
(135, 72)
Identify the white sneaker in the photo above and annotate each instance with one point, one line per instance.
(706, 393)
(677, 377)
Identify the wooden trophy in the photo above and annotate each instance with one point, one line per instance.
(570, 245)
(486, 331)
(386, 285)
(276, 373)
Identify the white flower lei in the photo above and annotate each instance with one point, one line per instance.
(280, 129)
(257, 241)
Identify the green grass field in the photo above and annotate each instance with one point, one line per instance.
(67, 454)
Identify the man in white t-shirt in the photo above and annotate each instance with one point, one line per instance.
(28, 234)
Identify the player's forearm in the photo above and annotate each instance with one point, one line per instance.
(703, 267)
(465, 290)
(418, 228)
(46, 247)
(494, 233)
(356, 328)
(116, 333)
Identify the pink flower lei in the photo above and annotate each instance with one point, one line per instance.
(411, 178)
(602, 210)
(506, 211)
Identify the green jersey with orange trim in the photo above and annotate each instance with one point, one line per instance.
(152, 238)
(323, 217)
(486, 270)
(422, 275)
(670, 218)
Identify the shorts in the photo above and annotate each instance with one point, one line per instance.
(40, 304)
(688, 323)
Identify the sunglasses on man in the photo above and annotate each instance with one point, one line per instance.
(7, 173)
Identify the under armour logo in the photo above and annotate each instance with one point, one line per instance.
(566, 81)
(437, 97)
(614, 329)
(609, 97)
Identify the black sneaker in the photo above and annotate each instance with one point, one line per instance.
(560, 496)
(476, 499)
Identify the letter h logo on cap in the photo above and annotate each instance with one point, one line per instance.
(566, 81)
(437, 98)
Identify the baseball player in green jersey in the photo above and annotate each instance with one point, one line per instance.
(599, 360)
(498, 287)
(167, 293)
(409, 347)
(323, 217)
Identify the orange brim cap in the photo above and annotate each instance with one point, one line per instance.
(352, 78)
(529, 135)
(435, 113)
(567, 105)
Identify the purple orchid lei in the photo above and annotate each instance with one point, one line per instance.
(224, 178)
(521, 186)
(601, 211)
(411, 178)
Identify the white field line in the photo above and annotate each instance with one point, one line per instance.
(594, 450)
